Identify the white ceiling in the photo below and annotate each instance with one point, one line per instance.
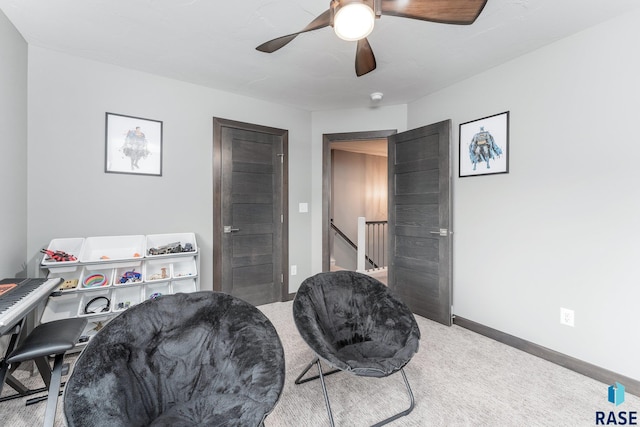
(212, 43)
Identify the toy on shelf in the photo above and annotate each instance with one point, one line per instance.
(131, 277)
(171, 248)
(58, 256)
(162, 275)
(69, 284)
(95, 281)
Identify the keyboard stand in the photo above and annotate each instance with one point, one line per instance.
(5, 372)
(17, 331)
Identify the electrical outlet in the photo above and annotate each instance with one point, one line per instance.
(567, 317)
(294, 270)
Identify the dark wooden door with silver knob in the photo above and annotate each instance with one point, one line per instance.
(420, 220)
(250, 227)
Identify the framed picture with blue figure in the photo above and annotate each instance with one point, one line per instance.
(133, 145)
(484, 146)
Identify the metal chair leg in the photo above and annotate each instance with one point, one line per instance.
(321, 376)
(406, 411)
(324, 391)
(299, 380)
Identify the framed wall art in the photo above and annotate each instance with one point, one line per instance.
(484, 146)
(133, 145)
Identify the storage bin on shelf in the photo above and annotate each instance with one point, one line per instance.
(167, 245)
(70, 246)
(183, 286)
(108, 249)
(127, 275)
(94, 277)
(94, 324)
(152, 290)
(157, 270)
(70, 275)
(125, 297)
(61, 307)
(181, 268)
(95, 302)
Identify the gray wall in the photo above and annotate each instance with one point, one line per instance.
(13, 150)
(562, 228)
(68, 98)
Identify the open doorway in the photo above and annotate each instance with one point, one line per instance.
(419, 215)
(355, 186)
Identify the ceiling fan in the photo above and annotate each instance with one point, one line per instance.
(353, 20)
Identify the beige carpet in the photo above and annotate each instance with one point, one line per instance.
(458, 378)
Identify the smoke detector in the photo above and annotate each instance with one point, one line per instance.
(376, 96)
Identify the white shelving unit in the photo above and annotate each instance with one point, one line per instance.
(102, 267)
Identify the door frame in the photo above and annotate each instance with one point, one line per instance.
(218, 124)
(327, 139)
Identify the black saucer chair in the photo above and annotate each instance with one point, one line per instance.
(355, 324)
(204, 358)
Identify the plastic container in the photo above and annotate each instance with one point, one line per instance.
(165, 245)
(183, 268)
(93, 278)
(61, 307)
(183, 286)
(126, 297)
(153, 290)
(71, 277)
(157, 270)
(71, 246)
(107, 249)
(125, 276)
(101, 305)
(94, 325)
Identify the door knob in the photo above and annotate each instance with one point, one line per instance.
(443, 232)
(229, 229)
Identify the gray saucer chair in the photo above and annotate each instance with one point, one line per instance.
(356, 325)
(198, 359)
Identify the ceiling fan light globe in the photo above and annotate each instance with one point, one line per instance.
(353, 21)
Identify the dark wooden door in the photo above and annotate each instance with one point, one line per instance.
(249, 231)
(420, 220)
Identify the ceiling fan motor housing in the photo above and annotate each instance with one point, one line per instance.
(352, 20)
(335, 5)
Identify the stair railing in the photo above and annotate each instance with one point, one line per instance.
(365, 260)
(372, 236)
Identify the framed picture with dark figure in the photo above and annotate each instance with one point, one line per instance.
(133, 145)
(484, 146)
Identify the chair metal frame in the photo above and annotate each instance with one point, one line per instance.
(321, 376)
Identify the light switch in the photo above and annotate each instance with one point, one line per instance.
(303, 207)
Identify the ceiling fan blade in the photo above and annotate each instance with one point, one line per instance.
(321, 21)
(365, 60)
(463, 12)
